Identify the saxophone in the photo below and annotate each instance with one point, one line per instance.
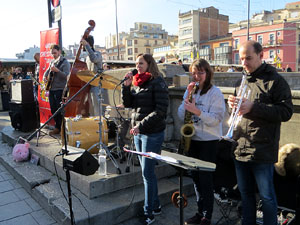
(187, 130)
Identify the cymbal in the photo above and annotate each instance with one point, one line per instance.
(107, 81)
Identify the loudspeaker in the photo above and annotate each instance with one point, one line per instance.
(82, 163)
(23, 116)
(21, 91)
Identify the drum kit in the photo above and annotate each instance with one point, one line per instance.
(112, 126)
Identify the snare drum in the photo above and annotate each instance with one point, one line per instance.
(112, 112)
(84, 132)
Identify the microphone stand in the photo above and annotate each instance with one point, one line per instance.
(65, 150)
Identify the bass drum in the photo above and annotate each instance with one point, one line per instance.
(84, 132)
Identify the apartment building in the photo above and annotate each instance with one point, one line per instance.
(291, 13)
(217, 51)
(280, 43)
(142, 38)
(200, 25)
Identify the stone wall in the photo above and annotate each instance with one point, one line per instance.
(225, 81)
(289, 130)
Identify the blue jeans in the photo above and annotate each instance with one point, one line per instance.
(262, 173)
(149, 143)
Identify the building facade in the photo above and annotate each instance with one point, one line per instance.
(200, 25)
(280, 43)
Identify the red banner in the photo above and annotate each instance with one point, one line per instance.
(48, 37)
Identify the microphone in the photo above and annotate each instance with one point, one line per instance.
(134, 72)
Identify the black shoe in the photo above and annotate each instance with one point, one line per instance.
(157, 211)
(194, 220)
(148, 220)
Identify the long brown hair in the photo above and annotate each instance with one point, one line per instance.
(152, 66)
(202, 64)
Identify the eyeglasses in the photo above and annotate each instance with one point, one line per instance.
(197, 73)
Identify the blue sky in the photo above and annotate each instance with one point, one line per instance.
(22, 21)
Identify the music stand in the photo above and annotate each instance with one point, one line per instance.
(182, 163)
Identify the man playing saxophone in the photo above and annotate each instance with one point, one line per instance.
(258, 133)
(208, 108)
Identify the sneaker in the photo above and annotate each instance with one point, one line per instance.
(205, 221)
(157, 211)
(194, 220)
(148, 220)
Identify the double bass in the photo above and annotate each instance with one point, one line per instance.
(79, 105)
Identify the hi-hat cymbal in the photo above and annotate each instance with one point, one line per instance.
(107, 81)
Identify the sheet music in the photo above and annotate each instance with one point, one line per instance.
(154, 156)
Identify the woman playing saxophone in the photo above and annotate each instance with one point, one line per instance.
(207, 108)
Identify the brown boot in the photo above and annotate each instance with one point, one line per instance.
(55, 131)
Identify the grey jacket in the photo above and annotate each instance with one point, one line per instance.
(59, 78)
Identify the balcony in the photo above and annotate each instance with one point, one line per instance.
(272, 43)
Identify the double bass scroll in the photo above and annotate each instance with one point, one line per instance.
(73, 85)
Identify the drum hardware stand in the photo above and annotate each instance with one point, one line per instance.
(101, 145)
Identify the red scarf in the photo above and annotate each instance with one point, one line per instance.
(139, 79)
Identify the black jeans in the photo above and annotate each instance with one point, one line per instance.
(203, 180)
(55, 98)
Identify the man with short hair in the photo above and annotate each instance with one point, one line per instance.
(57, 73)
(257, 135)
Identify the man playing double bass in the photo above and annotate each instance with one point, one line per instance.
(94, 63)
(56, 78)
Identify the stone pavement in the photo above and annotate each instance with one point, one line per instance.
(18, 207)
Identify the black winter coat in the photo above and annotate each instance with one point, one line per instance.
(149, 105)
(258, 133)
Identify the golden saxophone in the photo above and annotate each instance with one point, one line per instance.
(187, 130)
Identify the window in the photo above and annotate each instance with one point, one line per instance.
(272, 39)
(224, 44)
(135, 42)
(129, 42)
(236, 43)
(187, 31)
(136, 50)
(250, 38)
(271, 54)
(155, 35)
(115, 50)
(186, 21)
(155, 42)
(260, 39)
(129, 51)
(146, 35)
(278, 51)
(236, 58)
(278, 33)
(145, 27)
(148, 51)
(130, 58)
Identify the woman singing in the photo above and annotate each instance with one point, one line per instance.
(208, 110)
(147, 94)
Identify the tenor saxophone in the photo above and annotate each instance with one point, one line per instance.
(187, 130)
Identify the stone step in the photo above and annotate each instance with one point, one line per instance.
(96, 200)
(94, 185)
(113, 208)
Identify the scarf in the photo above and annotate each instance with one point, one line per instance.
(139, 79)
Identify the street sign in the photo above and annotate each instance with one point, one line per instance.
(56, 14)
